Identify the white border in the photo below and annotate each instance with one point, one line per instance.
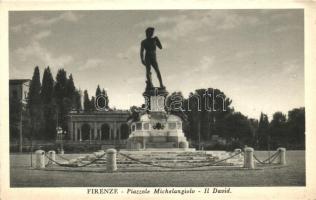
(307, 192)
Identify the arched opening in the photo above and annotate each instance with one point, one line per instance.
(105, 132)
(124, 131)
(85, 132)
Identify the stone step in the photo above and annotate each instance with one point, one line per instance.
(162, 157)
(161, 145)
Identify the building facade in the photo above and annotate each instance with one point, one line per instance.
(98, 125)
(19, 89)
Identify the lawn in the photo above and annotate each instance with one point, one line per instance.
(293, 174)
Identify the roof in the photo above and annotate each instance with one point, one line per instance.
(18, 81)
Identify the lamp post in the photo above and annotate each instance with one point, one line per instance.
(60, 137)
(20, 133)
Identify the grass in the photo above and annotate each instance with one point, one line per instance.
(293, 174)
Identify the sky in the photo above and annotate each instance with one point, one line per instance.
(256, 57)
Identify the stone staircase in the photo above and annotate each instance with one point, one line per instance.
(165, 159)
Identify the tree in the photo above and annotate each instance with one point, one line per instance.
(61, 86)
(104, 92)
(98, 91)
(263, 131)
(77, 105)
(239, 128)
(35, 103)
(296, 127)
(49, 107)
(15, 109)
(86, 101)
(92, 104)
(101, 101)
(206, 111)
(60, 92)
(277, 130)
(70, 89)
(254, 124)
(47, 90)
(106, 98)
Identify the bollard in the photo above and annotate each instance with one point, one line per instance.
(282, 160)
(237, 151)
(52, 156)
(39, 159)
(111, 160)
(184, 144)
(248, 158)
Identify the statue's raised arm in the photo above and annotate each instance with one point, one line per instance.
(158, 43)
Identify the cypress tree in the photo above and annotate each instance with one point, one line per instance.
(263, 133)
(60, 94)
(71, 89)
(86, 101)
(49, 110)
(106, 98)
(78, 100)
(35, 104)
(103, 92)
(98, 91)
(47, 90)
(92, 104)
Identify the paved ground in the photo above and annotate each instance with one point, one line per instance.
(291, 175)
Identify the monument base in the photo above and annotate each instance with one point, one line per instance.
(155, 131)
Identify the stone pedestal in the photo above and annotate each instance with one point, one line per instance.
(157, 129)
(282, 159)
(248, 158)
(111, 160)
(39, 159)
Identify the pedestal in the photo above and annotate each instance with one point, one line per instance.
(157, 128)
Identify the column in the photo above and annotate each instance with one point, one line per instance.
(95, 134)
(75, 132)
(80, 135)
(119, 132)
(115, 130)
(70, 128)
(90, 134)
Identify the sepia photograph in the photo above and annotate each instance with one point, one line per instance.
(156, 101)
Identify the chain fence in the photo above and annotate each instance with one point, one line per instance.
(192, 165)
(268, 160)
(50, 161)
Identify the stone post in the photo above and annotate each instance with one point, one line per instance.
(111, 160)
(39, 159)
(248, 158)
(282, 159)
(52, 156)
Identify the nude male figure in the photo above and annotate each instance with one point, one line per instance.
(149, 44)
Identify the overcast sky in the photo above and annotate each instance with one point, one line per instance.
(256, 57)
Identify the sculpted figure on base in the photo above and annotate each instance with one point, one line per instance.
(149, 60)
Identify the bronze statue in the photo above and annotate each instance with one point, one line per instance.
(149, 44)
